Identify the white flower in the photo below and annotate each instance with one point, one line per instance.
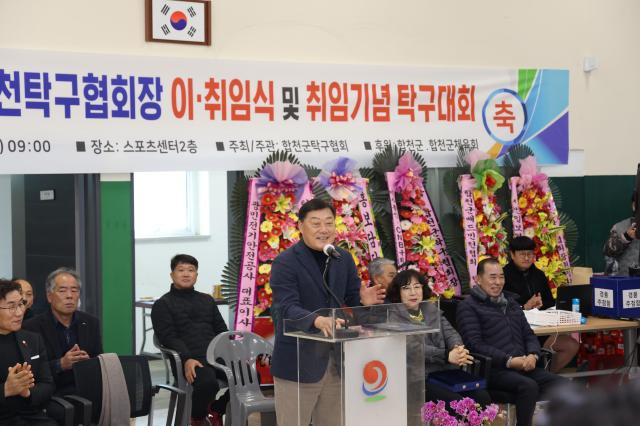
(405, 225)
(530, 232)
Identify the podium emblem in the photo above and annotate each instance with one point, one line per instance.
(374, 380)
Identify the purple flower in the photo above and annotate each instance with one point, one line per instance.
(339, 179)
(490, 412)
(408, 176)
(283, 176)
(428, 411)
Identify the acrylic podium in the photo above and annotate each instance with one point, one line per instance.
(378, 358)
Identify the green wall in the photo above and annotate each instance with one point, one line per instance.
(595, 203)
(117, 266)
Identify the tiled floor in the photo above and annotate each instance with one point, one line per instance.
(161, 401)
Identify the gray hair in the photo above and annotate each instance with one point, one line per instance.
(51, 278)
(376, 266)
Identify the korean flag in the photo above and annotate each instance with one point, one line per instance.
(178, 20)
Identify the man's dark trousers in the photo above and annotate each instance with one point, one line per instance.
(528, 386)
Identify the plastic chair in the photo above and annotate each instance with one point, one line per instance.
(179, 381)
(239, 352)
(88, 379)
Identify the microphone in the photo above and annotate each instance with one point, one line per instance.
(331, 251)
(345, 332)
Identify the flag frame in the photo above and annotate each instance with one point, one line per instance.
(149, 23)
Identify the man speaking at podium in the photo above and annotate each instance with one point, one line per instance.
(298, 291)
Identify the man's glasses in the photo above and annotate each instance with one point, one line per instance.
(525, 254)
(13, 307)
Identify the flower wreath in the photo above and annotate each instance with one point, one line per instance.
(355, 223)
(535, 215)
(419, 239)
(484, 233)
(274, 198)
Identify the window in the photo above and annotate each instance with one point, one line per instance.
(171, 204)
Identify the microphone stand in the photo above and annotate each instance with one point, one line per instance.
(340, 333)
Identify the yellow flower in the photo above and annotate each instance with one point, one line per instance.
(266, 226)
(448, 293)
(522, 202)
(478, 218)
(291, 234)
(274, 241)
(283, 204)
(293, 217)
(554, 292)
(265, 268)
(355, 259)
(542, 262)
(427, 243)
(267, 288)
(257, 310)
(489, 230)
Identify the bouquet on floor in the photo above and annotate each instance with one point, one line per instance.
(467, 413)
(535, 215)
(483, 218)
(419, 239)
(355, 222)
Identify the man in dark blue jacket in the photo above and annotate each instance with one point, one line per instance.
(298, 291)
(493, 324)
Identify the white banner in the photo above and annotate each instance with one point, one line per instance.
(375, 381)
(88, 113)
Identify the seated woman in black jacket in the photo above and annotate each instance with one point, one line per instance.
(443, 350)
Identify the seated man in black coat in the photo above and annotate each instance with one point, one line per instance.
(69, 334)
(26, 384)
(531, 286)
(493, 324)
(186, 321)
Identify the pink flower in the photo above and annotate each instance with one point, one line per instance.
(408, 178)
(529, 173)
(439, 287)
(476, 155)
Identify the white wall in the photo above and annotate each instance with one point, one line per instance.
(152, 256)
(6, 266)
(464, 33)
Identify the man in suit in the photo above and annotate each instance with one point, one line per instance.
(298, 291)
(26, 384)
(69, 334)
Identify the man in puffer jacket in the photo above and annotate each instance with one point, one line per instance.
(493, 324)
(186, 321)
